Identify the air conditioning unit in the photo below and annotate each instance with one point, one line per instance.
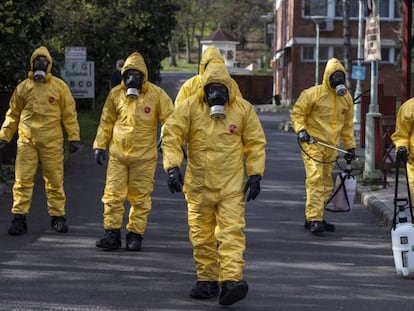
(326, 25)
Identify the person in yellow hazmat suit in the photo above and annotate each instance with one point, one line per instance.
(38, 107)
(225, 140)
(211, 55)
(403, 139)
(324, 113)
(128, 127)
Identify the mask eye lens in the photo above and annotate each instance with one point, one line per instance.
(215, 87)
(40, 61)
(338, 75)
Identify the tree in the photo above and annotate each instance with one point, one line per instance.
(108, 29)
(114, 29)
(199, 17)
(24, 25)
(242, 18)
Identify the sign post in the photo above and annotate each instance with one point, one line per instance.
(373, 54)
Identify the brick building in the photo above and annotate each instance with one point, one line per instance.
(295, 50)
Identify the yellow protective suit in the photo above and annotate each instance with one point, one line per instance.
(213, 55)
(328, 118)
(404, 137)
(129, 127)
(215, 174)
(37, 111)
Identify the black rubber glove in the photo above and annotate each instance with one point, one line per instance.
(100, 156)
(3, 143)
(304, 136)
(254, 184)
(74, 146)
(402, 154)
(350, 155)
(175, 180)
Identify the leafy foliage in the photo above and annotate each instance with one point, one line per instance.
(110, 30)
(113, 29)
(24, 25)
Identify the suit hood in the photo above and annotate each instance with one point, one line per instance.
(211, 53)
(41, 51)
(332, 65)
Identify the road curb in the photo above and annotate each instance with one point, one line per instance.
(376, 205)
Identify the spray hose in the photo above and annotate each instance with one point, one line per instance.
(314, 141)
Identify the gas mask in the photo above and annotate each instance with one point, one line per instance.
(337, 82)
(216, 95)
(133, 80)
(40, 64)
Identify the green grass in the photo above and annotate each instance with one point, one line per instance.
(182, 66)
(88, 123)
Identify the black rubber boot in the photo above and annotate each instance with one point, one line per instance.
(110, 240)
(326, 226)
(317, 227)
(58, 224)
(133, 241)
(232, 291)
(18, 226)
(204, 290)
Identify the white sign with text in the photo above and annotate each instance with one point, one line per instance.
(80, 77)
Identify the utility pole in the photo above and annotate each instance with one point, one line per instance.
(406, 49)
(347, 41)
(358, 90)
(266, 19)
(369, 170)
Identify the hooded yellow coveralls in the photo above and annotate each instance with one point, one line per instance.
(129, 127)
(404, 137)
(38, 111)
(328, 118)
(215, 174)
(211, 54)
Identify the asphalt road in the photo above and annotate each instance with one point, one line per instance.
(287, 268)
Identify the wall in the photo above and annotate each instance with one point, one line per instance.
(256, 89)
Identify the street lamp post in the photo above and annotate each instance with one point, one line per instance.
(370, 171)
(358, 90)
(265, 19)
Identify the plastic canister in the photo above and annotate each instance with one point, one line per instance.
(403, 248)
(349, 183)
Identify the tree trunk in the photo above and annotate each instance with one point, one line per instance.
(172, 46)
(188, 49)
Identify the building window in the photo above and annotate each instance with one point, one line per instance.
(391, 9)
(388, 9)
(390, 55)
(353, 8)
(315, 7)
(338, 52)
(308, 53)
(230, 55)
